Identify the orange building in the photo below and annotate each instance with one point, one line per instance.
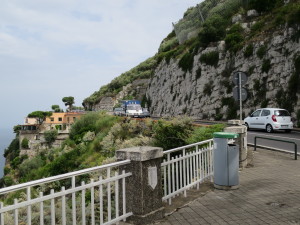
(62, 120)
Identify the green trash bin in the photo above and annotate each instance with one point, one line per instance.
(226, 161)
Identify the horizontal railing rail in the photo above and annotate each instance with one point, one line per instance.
(279, 140)
(186, 167)
(94, 202)
(60, 177)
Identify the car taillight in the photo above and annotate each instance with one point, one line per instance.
(274, 118)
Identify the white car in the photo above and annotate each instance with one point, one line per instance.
(270, 119)
(134, 110)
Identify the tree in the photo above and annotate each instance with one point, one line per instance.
(17, 129)
(25, 143)
(50, 136)
(69, 101)
(40, 115)
(56, 108)
(78, 108)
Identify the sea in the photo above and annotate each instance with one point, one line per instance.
(6, 136)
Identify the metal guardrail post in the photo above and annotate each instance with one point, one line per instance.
(273, 139)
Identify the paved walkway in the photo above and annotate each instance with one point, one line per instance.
(269, 193)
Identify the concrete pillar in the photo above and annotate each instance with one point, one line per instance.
(144, 187)
(241, 141)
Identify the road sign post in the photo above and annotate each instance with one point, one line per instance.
(239, 93)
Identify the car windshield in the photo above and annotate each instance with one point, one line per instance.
(281, 113)
(134, 107)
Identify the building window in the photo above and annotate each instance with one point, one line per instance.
(74, 119)
(59, 118)
(52, 119)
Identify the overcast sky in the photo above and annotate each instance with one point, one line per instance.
(50, 49)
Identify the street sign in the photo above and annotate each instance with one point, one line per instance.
(236, 78)
(236, 94)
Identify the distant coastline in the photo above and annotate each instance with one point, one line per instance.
(6, 136)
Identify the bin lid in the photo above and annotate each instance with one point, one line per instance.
(225, 135)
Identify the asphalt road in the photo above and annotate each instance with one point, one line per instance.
(294, 136)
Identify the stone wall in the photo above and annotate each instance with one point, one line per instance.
(201, 95)
(37, 142)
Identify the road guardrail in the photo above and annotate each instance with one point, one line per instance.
(280, 140)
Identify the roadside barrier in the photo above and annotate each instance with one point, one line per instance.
(280, 140)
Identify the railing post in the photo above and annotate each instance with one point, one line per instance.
(144, 187)
(296, 152)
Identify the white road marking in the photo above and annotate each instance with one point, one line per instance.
(274, 136)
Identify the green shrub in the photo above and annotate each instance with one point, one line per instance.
(13, 149)
(218, 115)
(50, 136)
(293, 89)
(261, 52)
(204, 133)
(248, 51)
(171, 134)
(294, 16)
(208, 88)
(27, 166)
(234, 38)
(8, 181)
(68, 142)
(210, 58)
(25, 143)
(186, 62)
(234, 42)
(266, 66)
(213, 30)
(6, 170)
(168, 44)
(257, 27)
(16, 162)
(232, 107)
(60, 165)
(84, 124)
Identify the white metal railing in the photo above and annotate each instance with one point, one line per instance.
(186, 167)
(80, 200)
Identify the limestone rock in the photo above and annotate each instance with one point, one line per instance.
(175, 92)
(252, 13)
(237, 18)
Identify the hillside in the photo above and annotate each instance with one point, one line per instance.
(191, 74)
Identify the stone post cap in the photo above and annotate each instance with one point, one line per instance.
(142, 153)
(236, 129)
(235, 122)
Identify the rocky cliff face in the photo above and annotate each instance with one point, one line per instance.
(137, 89)
(205, 92)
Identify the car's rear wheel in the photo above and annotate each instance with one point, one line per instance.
(247, 125)
(269, 128)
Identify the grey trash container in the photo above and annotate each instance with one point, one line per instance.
(226, 161)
